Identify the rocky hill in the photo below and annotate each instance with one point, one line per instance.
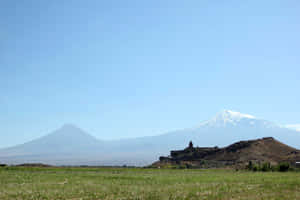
(238, 154)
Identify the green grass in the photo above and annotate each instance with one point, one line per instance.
(114, 183)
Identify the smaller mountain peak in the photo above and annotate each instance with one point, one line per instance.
(69, 129)
(69, 126)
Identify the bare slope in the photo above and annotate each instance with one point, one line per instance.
(260, 150)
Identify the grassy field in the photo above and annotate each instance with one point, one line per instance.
(108, 183)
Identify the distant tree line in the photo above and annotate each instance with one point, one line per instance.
(266, 167)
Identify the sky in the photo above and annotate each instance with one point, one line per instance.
(121, 69)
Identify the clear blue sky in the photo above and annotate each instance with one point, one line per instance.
(134, 68)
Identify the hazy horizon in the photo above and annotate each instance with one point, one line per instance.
(224, 115)
(130, 69)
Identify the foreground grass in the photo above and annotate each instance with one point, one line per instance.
(108, 183)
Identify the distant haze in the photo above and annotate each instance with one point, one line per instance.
(69, 145)
(293, 126)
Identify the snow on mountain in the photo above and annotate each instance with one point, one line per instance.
(233, 115)
(71, 145)
(233, 118)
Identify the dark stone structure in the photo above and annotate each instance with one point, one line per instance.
(240, 153)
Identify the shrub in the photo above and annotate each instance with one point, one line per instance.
(250, 165)
(182, 166)
(283, 167)
(266, 167)
(188, 166)
(255, 168)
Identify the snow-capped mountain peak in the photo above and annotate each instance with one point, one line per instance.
(228, 117)
(233, 115)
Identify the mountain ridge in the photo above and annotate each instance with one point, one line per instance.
(70, 144)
